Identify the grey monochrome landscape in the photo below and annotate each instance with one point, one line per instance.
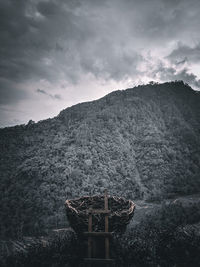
(99, 95)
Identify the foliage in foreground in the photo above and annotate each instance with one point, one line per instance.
(169, 237)
(61, 250)
(161, 242)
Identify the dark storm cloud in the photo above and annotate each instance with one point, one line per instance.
(53, 39)
(59, 42)
(189, 78)
(50, 39)
(185, 53)
(25, 41)
(171, 73)
(10, 93)
(159, 20)
(41, 91)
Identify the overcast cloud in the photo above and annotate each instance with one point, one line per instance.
(57, 53)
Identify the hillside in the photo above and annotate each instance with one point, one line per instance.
(142, 143)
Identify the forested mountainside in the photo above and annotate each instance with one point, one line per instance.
(140, 143)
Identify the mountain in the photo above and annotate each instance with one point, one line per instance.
(142, 143)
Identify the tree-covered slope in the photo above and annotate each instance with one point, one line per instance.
(140, 143)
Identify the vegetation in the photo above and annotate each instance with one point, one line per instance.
(170, 236)
(140, 143)
(57, 251)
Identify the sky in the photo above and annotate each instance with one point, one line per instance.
(57, 53)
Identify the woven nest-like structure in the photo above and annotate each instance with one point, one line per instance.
(122, 211)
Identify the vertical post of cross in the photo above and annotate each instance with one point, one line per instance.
(107, 253)
(90, 230)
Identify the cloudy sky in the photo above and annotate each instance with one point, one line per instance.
(56, 53)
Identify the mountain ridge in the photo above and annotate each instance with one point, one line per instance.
(140, 143)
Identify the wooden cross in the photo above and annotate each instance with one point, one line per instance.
(90, 234)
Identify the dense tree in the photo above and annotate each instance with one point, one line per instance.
(140, 143)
